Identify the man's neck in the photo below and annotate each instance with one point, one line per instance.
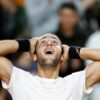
(50, 73)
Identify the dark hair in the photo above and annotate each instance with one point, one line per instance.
(68, 5)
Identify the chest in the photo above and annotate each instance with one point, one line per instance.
(37, 90)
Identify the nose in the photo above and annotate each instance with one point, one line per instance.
(49, 43)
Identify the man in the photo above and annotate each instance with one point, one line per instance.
(70, 33)
(47, 85)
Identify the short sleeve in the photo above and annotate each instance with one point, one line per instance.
(15, 79)
(78, 84)
(80, 79)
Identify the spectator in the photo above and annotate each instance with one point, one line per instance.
(42, 14)
(71, 34)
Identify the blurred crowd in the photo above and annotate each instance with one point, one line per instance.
(75, 22)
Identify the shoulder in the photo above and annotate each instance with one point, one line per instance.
(17, 77)
(75, 81)
(76, 77)
(19, 72)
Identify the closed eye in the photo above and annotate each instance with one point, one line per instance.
(55, 42)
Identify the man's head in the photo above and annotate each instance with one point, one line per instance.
(68, 16)
(48, 50)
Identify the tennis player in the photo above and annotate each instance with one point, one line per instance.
(49, 54)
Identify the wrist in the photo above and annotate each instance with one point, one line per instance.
(24, 45)
(74, 52)
(33, 43)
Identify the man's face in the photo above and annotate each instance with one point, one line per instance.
(68, 18)
(48, 50)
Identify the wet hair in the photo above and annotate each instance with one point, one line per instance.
(68, 5)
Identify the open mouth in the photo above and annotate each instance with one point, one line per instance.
(49, 51)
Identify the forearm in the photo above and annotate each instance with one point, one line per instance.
(8, 46)
(90, 54)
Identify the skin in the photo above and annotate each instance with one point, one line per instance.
(48, 68)
(48, 64)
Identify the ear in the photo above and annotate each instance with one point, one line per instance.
(62, 57)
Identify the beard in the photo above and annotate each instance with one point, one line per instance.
(48, 60)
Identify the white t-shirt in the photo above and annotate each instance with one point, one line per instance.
(25, 86)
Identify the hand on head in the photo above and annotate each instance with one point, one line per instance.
(65, 51)
(34, 41)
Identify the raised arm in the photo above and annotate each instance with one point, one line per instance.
(90, 54)
(84, 53)
(7, 47)
(93, 70)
